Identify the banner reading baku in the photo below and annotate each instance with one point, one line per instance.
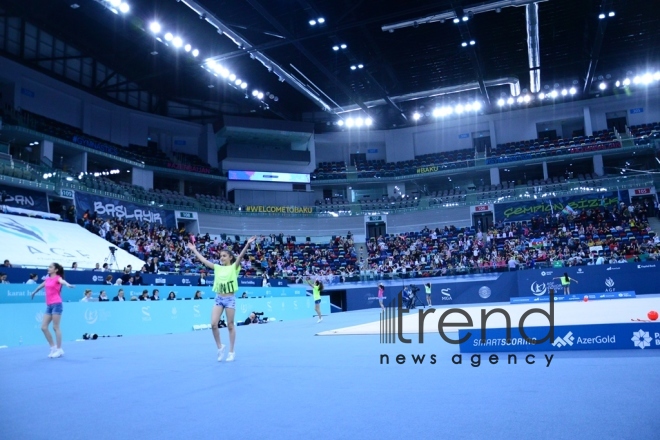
(111, 208)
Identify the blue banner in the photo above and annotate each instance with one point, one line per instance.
(24, 198)
(629, 336)
(525, 210)
(258, 281)
(21, 293)
(606, 278)
(452, 290)
(105, 207)
(559, 297)
(21, 323)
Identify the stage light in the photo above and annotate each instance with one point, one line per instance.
(553, 94)
(601, 16)
(572, 91)
(255, 93)
(321, 20)
(472, 42)
(465, 18)
(349, 122)
(564, 92)
(541, 96)
(188, 47)
(416, 116)
(656, 76)
(177, 42)
(155, 27)
(617, 83)
(602, 86)
(244, 85)
(358, 122)
(195, 52)
(647, 78)
(312, 22)
(114, 3)
(459, 109)
(520, 100)
(169, 36)
(343, 46)
(636, 79)
(526, 99)
(232, 77)
(626, 82)
(335, 48)
(436, 112)
(476, 106)
(500, 102)
(464, 44)
(353, 67)
(360, 66)
(238, 82)
(468, 107)
(260, 96)
(510, 101)
(368, 122)
(611, 14)
(456, 20)
(340, 123)
(124, 8)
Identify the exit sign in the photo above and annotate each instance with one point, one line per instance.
(186, 215)
(376, 218)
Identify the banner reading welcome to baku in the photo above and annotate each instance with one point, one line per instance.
(525, 210)
(118, 209)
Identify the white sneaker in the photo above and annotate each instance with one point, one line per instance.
(58, 353)
(230, 356)
(221, 353)
(320, 319)
(52, 351)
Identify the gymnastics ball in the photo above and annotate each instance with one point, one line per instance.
(653, 315)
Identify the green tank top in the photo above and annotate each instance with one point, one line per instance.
(564, 282)
(428, 290)
(226, 279)
(317, 293)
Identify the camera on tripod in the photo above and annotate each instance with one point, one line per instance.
(414, 288)
(112, 249)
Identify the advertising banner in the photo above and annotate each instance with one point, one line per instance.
(111, 208)
(630, 336)
(452, 290)
(21, 293)
(23, 198)
(36, 242)
(21, 323)
(525, 210)
(602, 278)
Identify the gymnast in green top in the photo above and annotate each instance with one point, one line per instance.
(317, 288)
(225, 284)
(566, 283)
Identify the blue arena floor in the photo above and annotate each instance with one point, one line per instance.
(287, 383)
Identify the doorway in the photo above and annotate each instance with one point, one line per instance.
(482, 220)
(376, 229)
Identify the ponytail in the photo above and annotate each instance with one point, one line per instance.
(566, 277)
(59, 270)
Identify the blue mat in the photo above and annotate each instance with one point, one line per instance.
(287, 383)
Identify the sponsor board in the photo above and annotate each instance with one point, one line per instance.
(628, 336)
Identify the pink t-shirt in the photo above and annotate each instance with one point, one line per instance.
(380, 292)
(53, 290)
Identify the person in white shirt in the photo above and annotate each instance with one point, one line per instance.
(33, 279)
(88, 296)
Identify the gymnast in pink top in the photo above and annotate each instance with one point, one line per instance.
(53, 285)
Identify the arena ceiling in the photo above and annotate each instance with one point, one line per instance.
(414, 57)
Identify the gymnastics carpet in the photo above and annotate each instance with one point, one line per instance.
(289, 383)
